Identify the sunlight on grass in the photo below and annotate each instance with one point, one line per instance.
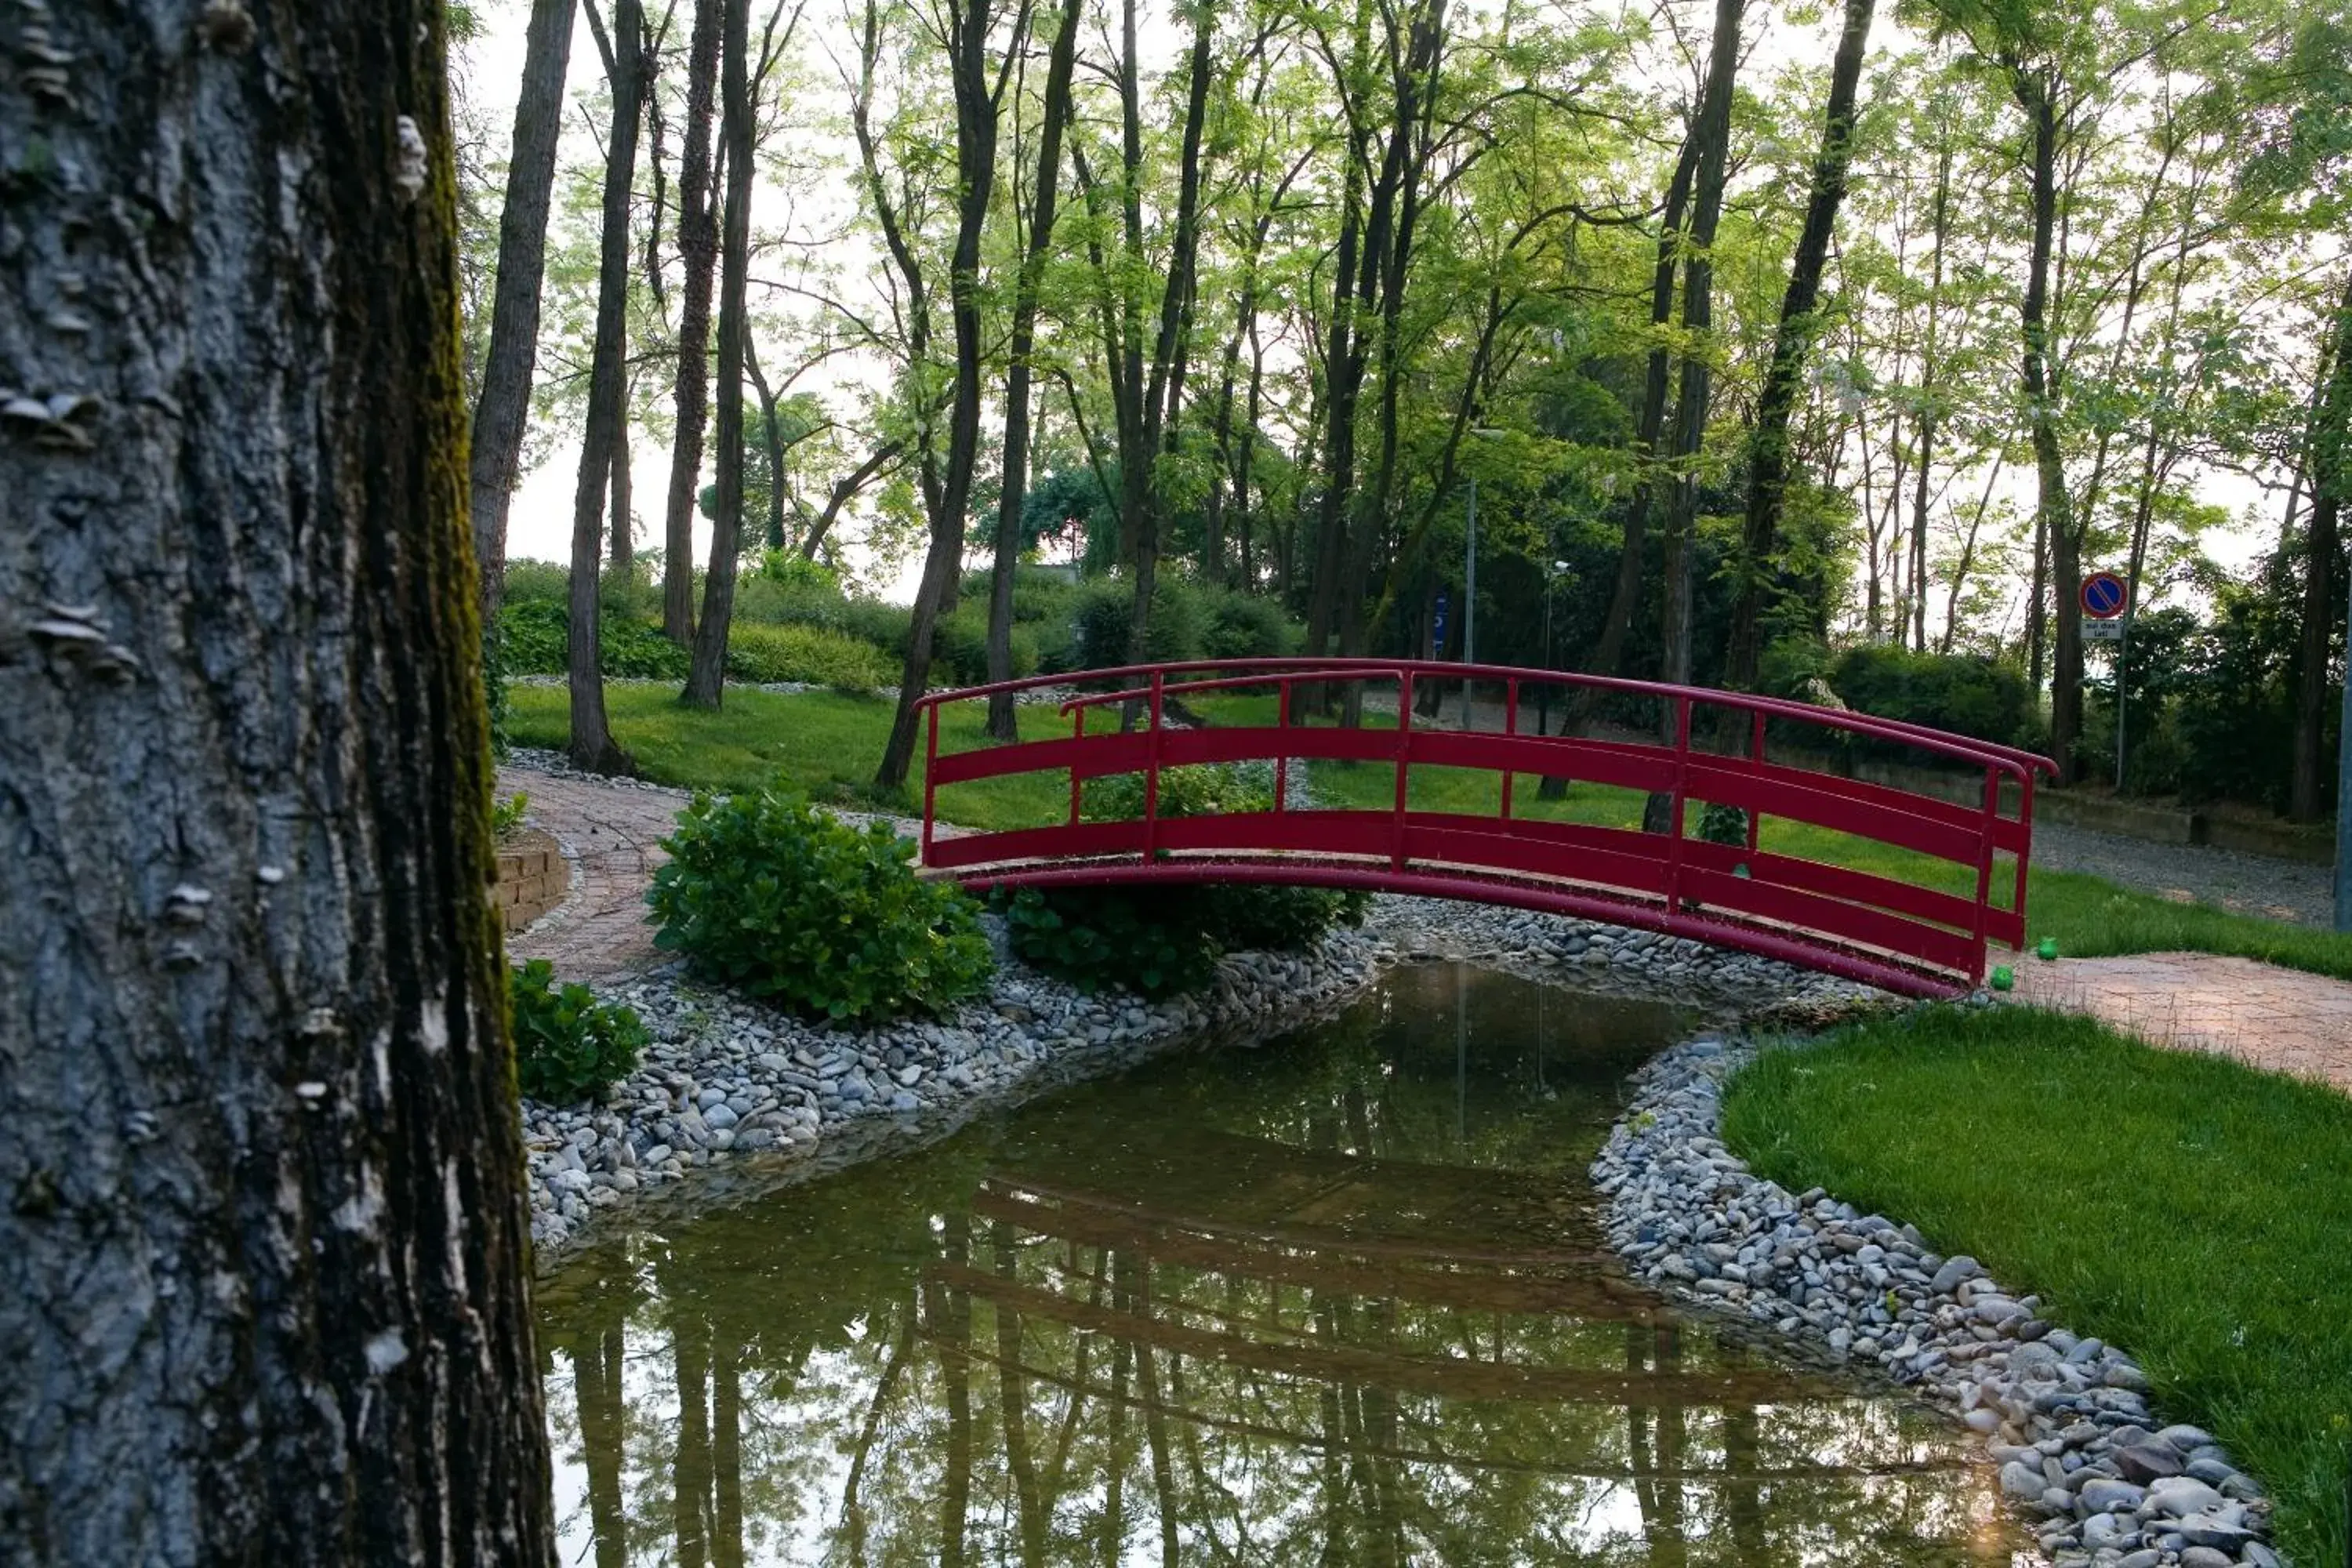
(2195, 1212)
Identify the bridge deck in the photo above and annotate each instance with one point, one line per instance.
(1828, 911)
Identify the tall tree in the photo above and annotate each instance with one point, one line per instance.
(2330, 464)
(1713, 131)
(1043, 201)
(698, 244)
(977, 103)
(1767, 459)
(265, 1239)
(592, 746)
(504, 404)
(705, 682)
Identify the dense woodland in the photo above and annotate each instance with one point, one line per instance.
(1786, 348)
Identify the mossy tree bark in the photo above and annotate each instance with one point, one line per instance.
(263, 1242)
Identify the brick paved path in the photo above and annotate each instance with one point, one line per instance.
(611, 834)
(2279, 1019)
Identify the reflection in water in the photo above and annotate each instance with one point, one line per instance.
(1337, 1302)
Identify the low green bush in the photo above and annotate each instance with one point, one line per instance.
(959, 647)
(1149, 942)
(533, 636)
(764, 893)
(1246, 625)
(526, 582)
(1959, 692)
(761, 653)
(1162, 938)
(569, 1046)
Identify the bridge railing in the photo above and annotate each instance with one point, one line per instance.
(1821, 911)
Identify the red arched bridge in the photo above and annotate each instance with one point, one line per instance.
(1902, 884)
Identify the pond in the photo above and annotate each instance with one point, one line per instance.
(1339, 1299)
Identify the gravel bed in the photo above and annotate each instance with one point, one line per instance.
(2065, 1418)
(2294, 890)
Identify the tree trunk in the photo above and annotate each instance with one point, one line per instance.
(594, 750)
(2331, 476)
(625, 543)
(596, 1361)
(697, 247)
(1769, 452)
(1714, 134)
(976, 111)
(263, 1256)
(2052, 522)
(706, 679)
(1626, 594)
(1015, 492)
(771, 443)
(1940, 227)
(504, 405)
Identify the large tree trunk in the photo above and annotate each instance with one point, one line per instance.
(2331, 476)
(1941, 225)
(263, 1251)
(706, 680)
(1015, 492)
(1767, 474)
(1714, 135)
(976, 110)
(593, 749)
(2052, 522)
(698, 246)
(504, 405)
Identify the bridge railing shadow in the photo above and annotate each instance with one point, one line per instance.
(1895, 886)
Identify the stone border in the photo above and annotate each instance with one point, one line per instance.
(2065, 1418)
(534, 877)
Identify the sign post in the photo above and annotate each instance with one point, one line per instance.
(2106, 610)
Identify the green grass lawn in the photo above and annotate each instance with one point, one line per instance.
(827, 744)
(2195, 1212)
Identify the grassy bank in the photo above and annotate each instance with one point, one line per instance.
(2197, 1213)
(827, 744)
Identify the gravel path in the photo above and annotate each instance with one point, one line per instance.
(2292, 890)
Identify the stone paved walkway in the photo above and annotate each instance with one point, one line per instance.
(612, 834)
(2282, 1019)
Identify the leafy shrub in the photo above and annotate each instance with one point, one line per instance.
(1206, 790)
(569, 1046)
(959, 647)
(1158, 940)
(506, 816)
(534, 637)
(810, 654)
(1105, 613)
(527, 581)
(769, 895)
(1959, 692)
(1246, 625)
(1151, 943)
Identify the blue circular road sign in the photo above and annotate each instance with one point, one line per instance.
(2103, 595)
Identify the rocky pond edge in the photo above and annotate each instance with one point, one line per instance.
(734, 1099)
(2065, 1418)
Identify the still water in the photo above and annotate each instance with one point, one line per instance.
(1337, 1299)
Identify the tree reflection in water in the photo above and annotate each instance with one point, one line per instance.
(1341, 1302)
